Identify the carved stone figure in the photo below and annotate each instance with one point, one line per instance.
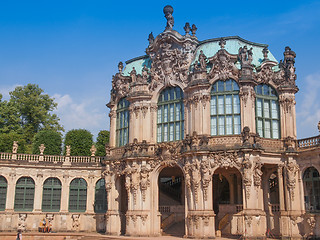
(168, 10)
(194, 29)
(75, 222)
(245, 55)
(133, 75)
(206, 175)
(292, 170)
(265, 52)
(245, 136)
(93, 150)
(120, 67)
(257, 173)
(107, 149)
(202, 61)
(68, 150)
(246, 172)
(22, 221)
(151, 38)
(311, 220)
(107, 173)
(15, 147)
(41, 149)
(187, 28)
(144, 181)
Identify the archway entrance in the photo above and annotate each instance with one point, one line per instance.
(172, 201)
(227, 198)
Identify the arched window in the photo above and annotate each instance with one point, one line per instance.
(100, 203)
(78, 195)
(225, 108)
(51, 195)
(24, 194)
(267, 112)
(170, 115)
(311, 182)
(122, 129)
(3, 193)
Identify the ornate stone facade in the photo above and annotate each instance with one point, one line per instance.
(238, 183)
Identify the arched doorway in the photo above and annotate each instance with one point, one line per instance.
(227, 199)
(172, 201)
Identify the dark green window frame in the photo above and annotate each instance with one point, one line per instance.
(225, 112)
(78, 195)
(170, 116)
(3, 192)
(267, 112)
(311, 183)
(100, 202)
(24, 195)
(122, 126)
(51, 195)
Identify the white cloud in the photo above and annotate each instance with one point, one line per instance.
(84, 114)
(308, 110)
(5, 90)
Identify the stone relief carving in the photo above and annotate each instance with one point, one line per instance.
(291, 169)
(75, 222)
(223, 66)
(108, 178)
(311, 220)
(245, 56)
(22, 221)
(226, 159)
(257, 174)
(287, 102)
(247, 173)
(144, 180)
(265, 75)
(206, 175)
(120, 84)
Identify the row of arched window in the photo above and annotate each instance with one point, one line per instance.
(225, 117)
(51, 195)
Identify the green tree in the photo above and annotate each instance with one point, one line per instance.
(102, 140)
(6, 142)
(52, 141)
(33, 108)
(80, 141)
(9, 117)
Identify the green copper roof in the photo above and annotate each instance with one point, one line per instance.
(209, 47)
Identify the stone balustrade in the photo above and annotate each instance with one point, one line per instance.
(309, 142)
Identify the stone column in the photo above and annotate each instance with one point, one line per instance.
(288, 114)
(247, 103)
(113, 125)
(65, 194)
(11, 187)
(38, 193)
(90, 195)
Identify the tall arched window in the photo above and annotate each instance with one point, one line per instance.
(24, 197)
(311, 182)
(3, 193)
(170, 115)
(225, 108)
(100, 203)
(51, 195)
(122, 129)
(267, 112)
(78, 195)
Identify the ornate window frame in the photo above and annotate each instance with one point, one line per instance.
(267, 112)
(122, 125)
(225, 109)
(311, 184)
(170, 115)
(100, 200)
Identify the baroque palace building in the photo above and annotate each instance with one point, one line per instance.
(202, 141)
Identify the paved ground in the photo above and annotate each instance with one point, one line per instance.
(79, 236)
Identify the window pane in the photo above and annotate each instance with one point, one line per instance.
(220, 104)
(220, 86)
(274, 110)
(213, 105)
(213, 125)
(221, 125)
(165, 132)
(275, 129)
(228, 104)
(171, 132)
(228, 85)
(237, 124)
(259, 107)
(229, 125)
(178, 112)
(236, 105)
(266, 109)
(178, 136)
(267, 129)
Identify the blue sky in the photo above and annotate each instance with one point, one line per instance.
(71, 48)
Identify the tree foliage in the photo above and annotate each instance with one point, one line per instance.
(102, 140)
(80, 141)
(52, 140)
(6, 142)
(33, 108)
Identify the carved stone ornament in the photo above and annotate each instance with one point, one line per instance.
(245, 56)
(265, 75)
(226, 159)
(132, 183)
(287, 102)
(257, 174)
(246, 174)
(206, 176)
(144, 180)
(68, 150)
(223, 66)
(311, 220)
(75, 222)
(22, 221)
(41, 149)
(15, 147)
(107, 173)
(168, 10)
(291, 170)
(93, 150)
(120, 86)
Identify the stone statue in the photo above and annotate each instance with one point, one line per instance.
(187, 28)
(151, 38)
(194, 29)
(15, 147)
(42, 148)
(120, 67)
(93, 150)
(168, 10)
(203, 60)
(68, 150)
(133, 74)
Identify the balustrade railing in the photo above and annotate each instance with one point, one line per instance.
(309, 142)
